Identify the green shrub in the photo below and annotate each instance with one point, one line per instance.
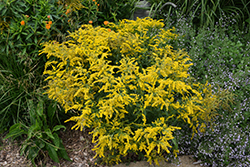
(129, 85)
(40, 137)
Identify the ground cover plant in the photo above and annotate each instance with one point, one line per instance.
(221, 57)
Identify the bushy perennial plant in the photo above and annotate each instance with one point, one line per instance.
(128, 85)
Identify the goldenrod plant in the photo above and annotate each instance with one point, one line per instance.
(129, 86)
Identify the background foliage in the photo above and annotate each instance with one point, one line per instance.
(205, 13)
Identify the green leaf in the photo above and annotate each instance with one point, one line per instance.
(56, 141)
(24, 33)
(58, 127)
(51, 111)
(29, 36)
(33, 129)
(248, 20)
(32, 111)
(4, 11)
(62, 152)
(39, 108)
(23, 149)
(49, 133)
(40, 143)
(15, 131)
(52, 153)
(33, 152)
(24, 51)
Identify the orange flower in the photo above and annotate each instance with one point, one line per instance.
(67, 12)
(93, 0)
(50, 22)
(27, 16)
(22, 23)
(98, 4)
(48, 26)
(106, 23)
(90, 21)
(109, 30)
(48, 16)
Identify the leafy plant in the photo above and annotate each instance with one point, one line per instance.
(40, 136)
(24, 26)
(129, 85)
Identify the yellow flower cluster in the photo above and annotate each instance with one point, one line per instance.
(127, 85)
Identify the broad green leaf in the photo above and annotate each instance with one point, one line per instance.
(62, 152)
(52, 153)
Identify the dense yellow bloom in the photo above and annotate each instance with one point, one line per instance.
(127, 85)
